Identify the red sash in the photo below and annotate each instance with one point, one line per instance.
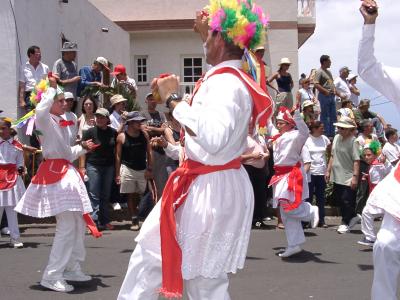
(174, 195)
(51, 171)
(295, 184)
(397, 173)
(8, 176)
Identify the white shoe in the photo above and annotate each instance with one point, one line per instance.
(57, 285)
(354, 221)
(116, 206)
(290, 251)
(16, 243)
(343, 228)
(314, 217)
(76, 276)
(5, 231)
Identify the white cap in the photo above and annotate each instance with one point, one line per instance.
(69, 95)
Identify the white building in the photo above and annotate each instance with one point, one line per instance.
(162, 38)
(41, 22)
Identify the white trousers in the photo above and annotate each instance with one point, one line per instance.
(143, 280)
(369, 214)
(386, 260)
(292, 221)
(12, 220)
(68, 249)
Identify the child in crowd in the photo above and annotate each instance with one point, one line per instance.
(11, 185)
(379, 167)
(391, 149)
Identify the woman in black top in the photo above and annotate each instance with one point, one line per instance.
(285, 84)
(99, 167)
(133, 163)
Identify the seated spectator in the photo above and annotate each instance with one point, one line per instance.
(305, 93)
(343, 171)
(391, 149)
(363, 112)
(87, 119)
(318, 146)
(308, 113)
(355, 92)
(346, 110)
(133, 163)
(98, 165)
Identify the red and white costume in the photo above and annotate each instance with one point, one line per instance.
(58, 190)
(11, 185)
(289, 183)
(213, 224)
(377, 171)
(386, 195)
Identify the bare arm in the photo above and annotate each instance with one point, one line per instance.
(118, 151)
(356, 172)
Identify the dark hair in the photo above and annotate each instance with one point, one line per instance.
(31, 50)
(315, 125)
(324, 58)
(94, 104)
(345, 102)
(5, 122)
(389, 132)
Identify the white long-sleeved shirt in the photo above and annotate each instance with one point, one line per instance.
(219, 118)
(9, 154)
(54, 139)
(384, 79)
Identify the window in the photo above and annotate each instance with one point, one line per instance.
(192, 71)
(141, 69)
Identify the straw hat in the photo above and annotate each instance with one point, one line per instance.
(285, 61)
(345, 122)
(117, 99)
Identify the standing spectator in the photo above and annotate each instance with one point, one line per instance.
(156, 123)
(133, 163)
(285, 84)
(31, 73)
(118, 106)
(65, 68)
(355, 92)
(91, 76)
(121, 78)
(70, 118)
(341, 86)
(391, 150)
(363, 113)
(99, 167)
(318, 145)
(305, 93)
(343, 171)
(323, 82)
(87, 119)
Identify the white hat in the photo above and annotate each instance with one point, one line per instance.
(351, 76)
(285, 61)
(307, 103)
(345, 122)
(69, 95)
(103, 61)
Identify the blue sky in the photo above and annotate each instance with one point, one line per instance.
(338, 31)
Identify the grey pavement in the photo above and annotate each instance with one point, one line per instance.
(332, 266)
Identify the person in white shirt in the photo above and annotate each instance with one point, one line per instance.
(318, 146)
(386, 195)
(71, 118)
(342, 88)
(118, 105)
(31, 73)
(355, 93)
(391, 149)
(121, 78)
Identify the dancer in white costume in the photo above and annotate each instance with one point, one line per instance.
(213, 223)
(385, 196)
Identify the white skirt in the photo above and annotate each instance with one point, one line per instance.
(213, 225)
(69, 194)
(11, 197)
(280, 190)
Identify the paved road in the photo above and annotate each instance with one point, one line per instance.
(332, 266)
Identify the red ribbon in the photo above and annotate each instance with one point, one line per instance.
(295, 184)
(8, 176)
(174, 195)
(65, 123)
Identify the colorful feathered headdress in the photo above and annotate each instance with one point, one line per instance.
(240, 22)
(374, 146)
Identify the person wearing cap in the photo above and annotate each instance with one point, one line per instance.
(58, 190)
(285, 84)
(65, 68)
(30, 74)
(91, 76)
(289, 183)
(133, 163)
(343, 170)
(199, 231)
(70, 117)
(98, 165)
(118, 106)
(307, 112)
(121, 78)
(362, 112)
(355, 92)
(323, 82)
(341, 85)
